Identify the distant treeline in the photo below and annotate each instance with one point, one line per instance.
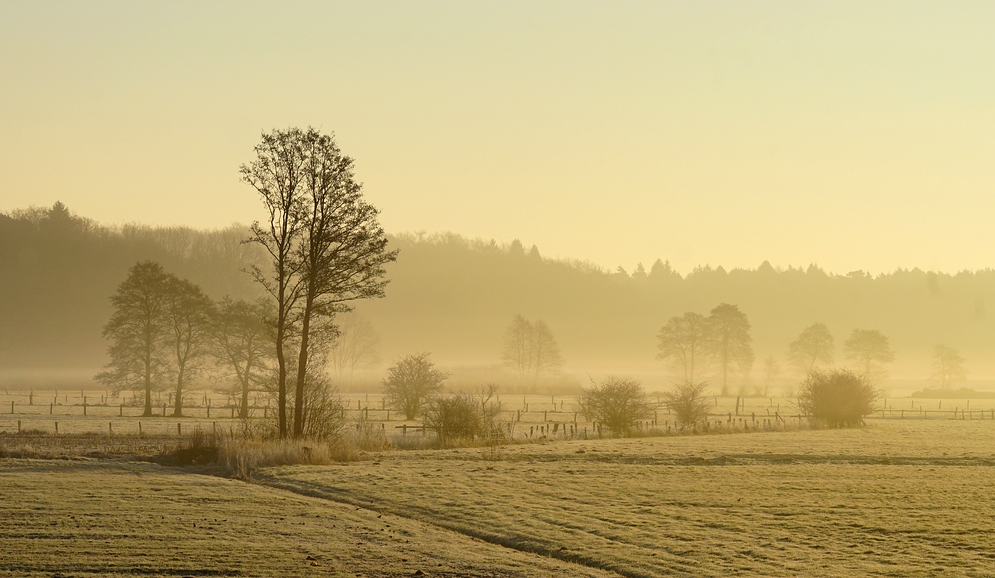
(455, 297)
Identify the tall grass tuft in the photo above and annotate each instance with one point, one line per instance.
(242, 457)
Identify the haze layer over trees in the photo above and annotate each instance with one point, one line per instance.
(456, 297)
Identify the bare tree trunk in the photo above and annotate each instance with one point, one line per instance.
(243, 411)
(281, 393)
(148, 390)
(178, 405)
(302, 369)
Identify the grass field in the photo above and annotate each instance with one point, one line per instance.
(98, 518)
(896, 498)
(893, 499)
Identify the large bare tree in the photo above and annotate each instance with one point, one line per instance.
(138, 330)
(730, 340)
(277, 174)
(343, 249)
(683, 342)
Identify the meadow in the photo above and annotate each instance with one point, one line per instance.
(897, 498)
(909, 494)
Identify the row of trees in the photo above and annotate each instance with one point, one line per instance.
(165, 329)
(691, 341)
(324, 248)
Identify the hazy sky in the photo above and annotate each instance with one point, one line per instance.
(854, 135)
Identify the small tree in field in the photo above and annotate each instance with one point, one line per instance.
(837, 398)
(411, 382)
(617, 403)
(688, 403)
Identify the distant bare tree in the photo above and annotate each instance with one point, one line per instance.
(517, 352)
(243, 345)
(138, 330)
(729, 340)
(530, 350)
(683, 341)
(948, 366)
(772, 371)
(357, 347)
(545, 351)
(869, 349)
(813, 346)
(411, 382)
(617, 403)
(189, 315)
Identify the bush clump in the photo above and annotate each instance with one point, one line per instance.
(836, 398)
(616, 403)
(463, 416)
(688, 403)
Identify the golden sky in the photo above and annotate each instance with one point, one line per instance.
(855, 135)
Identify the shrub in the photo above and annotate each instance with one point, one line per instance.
(617, 403)
(323, 410)
(688, 403)
(464, 417)
(837, 398)
(455, 417)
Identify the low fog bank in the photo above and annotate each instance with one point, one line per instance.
(457, 299)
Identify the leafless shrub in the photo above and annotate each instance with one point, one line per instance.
(616, 403)
(455, 417)
(323, 415)
(465, 417)
(688, 403)
(837, 398)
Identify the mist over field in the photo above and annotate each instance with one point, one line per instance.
(455, 297)
(497, 289)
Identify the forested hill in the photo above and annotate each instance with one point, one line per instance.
(454, 297)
